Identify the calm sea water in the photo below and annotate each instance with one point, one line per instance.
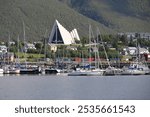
(53, 87)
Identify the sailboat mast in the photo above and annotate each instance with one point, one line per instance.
(138, 51)
(8, 47)
(18, 47)
(90, 46)
(95, 54)
(45, 47)
(99, 60)
(24, 37)
(104, 48)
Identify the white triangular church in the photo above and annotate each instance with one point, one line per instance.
(74, 34)
(60, 35)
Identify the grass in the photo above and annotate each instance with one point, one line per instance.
(29, 57)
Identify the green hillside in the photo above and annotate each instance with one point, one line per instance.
(119, 15)
(39, 16)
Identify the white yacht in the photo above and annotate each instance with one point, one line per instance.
(1, 71)
(87, 72)
(90, 71)
(10, 70)
(112, 71)
(136, 69)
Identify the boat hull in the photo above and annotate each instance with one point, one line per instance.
(51, 71)
(12, 72)
(1, 71)
(86, 73)
(133, 72)
(29, 71)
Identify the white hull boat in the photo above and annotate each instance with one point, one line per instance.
(95, 72)
(113, 71)
(136, 69)
(1, 71)
(11, 70)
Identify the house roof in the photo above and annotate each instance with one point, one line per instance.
(3, 47)
(30, 45)
(143, 50)
(132, 48)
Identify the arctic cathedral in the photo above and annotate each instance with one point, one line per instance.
(60, 35)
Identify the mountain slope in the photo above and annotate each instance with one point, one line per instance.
(38, 16)
(120, 15)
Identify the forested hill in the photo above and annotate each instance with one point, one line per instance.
(39, 15)
(119, 15)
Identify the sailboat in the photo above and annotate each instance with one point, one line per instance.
(48, 69)
(1, 71)
(137, 67)
(109, 70)
(10, 69)
(24, 69)
(96, 71)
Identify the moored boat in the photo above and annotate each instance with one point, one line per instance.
(136, 69)
(10, 70)
(29, 70)
(51, 71)
(110, 71)
(81, 72)
(1, 71)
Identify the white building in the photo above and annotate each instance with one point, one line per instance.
(134, 35)
(74, 34)
(3, 49)
(145, 35)
(143, 51)
(12, 43)
(60, 35)
(30, 46)
(134, 51)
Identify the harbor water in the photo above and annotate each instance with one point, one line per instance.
(62, 87)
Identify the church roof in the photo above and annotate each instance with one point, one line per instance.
(74, 34)
(60, 35)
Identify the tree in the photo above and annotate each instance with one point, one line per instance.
(84, 41)
(132, 43)
(13, 49)
(38, 46)
(32, 51)
(124, 40)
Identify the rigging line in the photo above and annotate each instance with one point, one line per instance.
(104, 48)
